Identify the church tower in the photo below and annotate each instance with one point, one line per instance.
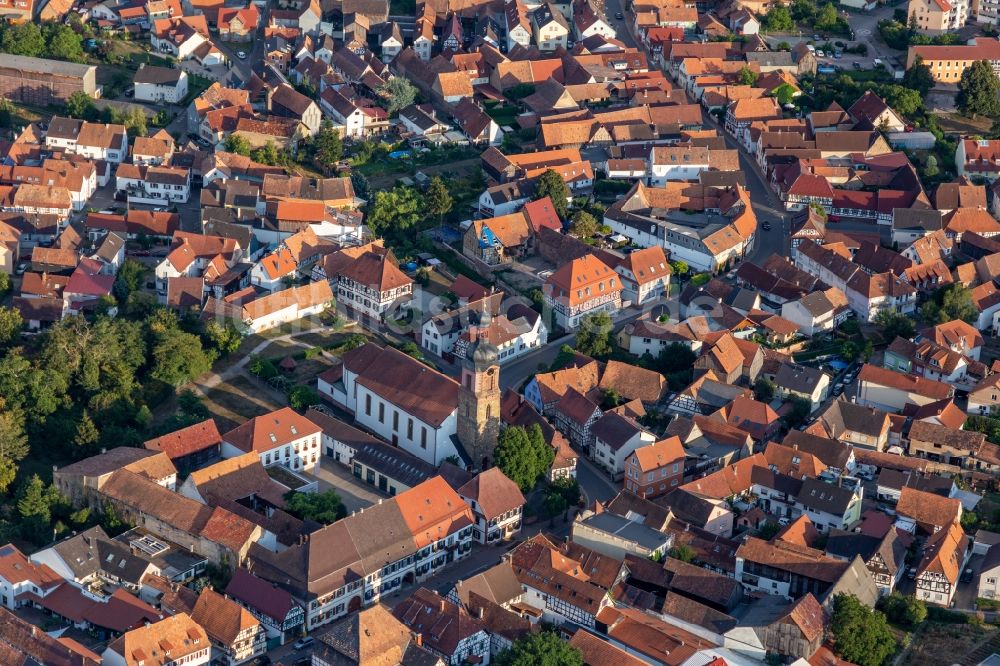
(479, 399)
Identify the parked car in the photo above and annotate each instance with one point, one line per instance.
(303, 643)
(619, 16)
(856, 65)
(912, 573)
(21, 268)
(242, 55)
(766, 226)
(967, 575)
(820, 53)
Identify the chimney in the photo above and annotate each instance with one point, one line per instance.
(479, 612)
(418, 639)
(441, 604)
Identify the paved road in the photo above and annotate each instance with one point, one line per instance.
(624, 33)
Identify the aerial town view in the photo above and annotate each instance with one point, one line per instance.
(510, 332)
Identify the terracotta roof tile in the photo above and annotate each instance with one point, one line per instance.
(186, 441)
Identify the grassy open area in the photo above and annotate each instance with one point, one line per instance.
(939, 643)
(237, 400)
(196, 86)
(503, 114)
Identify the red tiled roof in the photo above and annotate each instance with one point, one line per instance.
(186, 441)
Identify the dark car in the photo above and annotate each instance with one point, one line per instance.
(766, 226)
(967, 576)
(619, 16)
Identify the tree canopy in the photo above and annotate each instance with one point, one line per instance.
(778, 19)
(950, 303)
(905, 610)
(583, 224)
(919, 77)
(399, 94)
(895, 324)
(550, 184)
(860, 634)
(979, 91)
(325, 507)
(400, 209)
(523, 455)
(438, 199)
(235, 143)
(746, 76)
(544, 648)
(594, 337)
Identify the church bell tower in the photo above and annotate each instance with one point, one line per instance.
(479, 399)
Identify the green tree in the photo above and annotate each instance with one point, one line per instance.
(35, 505)
(860, 634)
(583, 224)
(785, 94)
(10, 324)
(13, 440)
(894, 324)
(902, 99)
(8, 472)
(778, 19)
(918, 77)
(801, 409)
(267, 154)
(328, 147)
(135, 122)
(325, 507)
(438, 199)
(399, 93)
(907, 611)
(129, 279)
(554, 503)
(62, 43)
(544, 648)
(594, 337)
(569, 488)
(400, 209)
(827, 18)
(683, 552)
(849, 350)
(979, 91)
(763, 389)
(523, 455)
(746, 76)
(302, 397)
(803, 11)
(678, 267)
(25, 39)
(237, 144)
(550, 184)
(87, 433)
(950, 303)
(611, 399)
(225, 338)
(179, 357)
(931, 166)
(80, 105)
